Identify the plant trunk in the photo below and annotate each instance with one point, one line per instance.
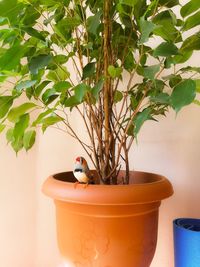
(106, 167)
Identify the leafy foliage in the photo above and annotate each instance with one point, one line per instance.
(60, 56)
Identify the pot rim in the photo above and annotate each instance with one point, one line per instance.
(155, 188)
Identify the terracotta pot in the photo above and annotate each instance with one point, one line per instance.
(107, 225)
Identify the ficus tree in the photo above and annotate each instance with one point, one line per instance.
(130, 60)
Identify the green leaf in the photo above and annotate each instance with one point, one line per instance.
(80, 91)
(97, 88)
(3, 77)
(62, 35)
(139, 9)
(168, 32)
(62, 86)
(25, 84)
(31, 14)
(190, 69)
(71, 102)
(179, 23)
(165, 49)
(114, 72)
(169, 3)
(9, 135)
(34, 33)
(192, 22)
(61, 59)
(158, 85)
(191, 43)
(42, 116)
(17, 144)
(29, 93)
(183, 94)
(182, 58)
(168, 62)
(49, 3)
(197, 86)
(20, 127)
(64, 27)
(3, 21)
(131, 3)
(2, 50)
(150, 72)
(161, 98)
(8, 73)
(165, 17)
(49, 96)
(60, 74)
(52, 76)
(129, 62)
(140, 119)
(88, 70)
(39, 88)
(93, 23)
(134, 102)
(5, 104)
(16, 112)
(11, 58)
(49, 121)
(2, 127)
(143, 59)
(197, 102)
(10, 9)
(29, 139)
(118, 96)
(69, 22)
(146, 28)
(174, 80)
(189, 8)
(166, 22)
(59, 13)
(7, 6)
(151, 8)
(39, 62)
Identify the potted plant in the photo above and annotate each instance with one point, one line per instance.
(129, 61)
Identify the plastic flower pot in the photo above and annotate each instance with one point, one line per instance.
(107, 225)
(187, 242)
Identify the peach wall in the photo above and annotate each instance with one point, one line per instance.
(18, 207)
(170, 147)
(27, 225)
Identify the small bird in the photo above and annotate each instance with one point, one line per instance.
(81, 171)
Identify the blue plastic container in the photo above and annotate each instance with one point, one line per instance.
(187, 242)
